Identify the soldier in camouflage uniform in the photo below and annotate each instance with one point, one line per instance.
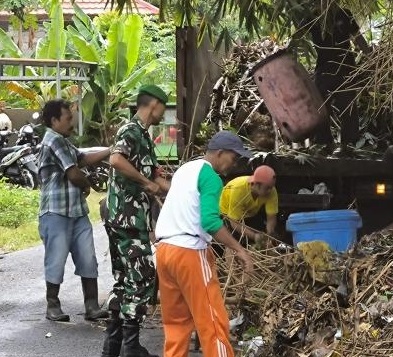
(134, 178)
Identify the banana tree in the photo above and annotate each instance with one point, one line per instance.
(51, 46)
(116, 78)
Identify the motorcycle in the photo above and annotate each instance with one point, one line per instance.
(27, 134)
(17, 163)
(98, 174)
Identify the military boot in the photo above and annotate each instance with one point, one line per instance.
(53, 311)
(131, 346)
(113, 336)
(90, 293)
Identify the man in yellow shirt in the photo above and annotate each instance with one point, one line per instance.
(244, 196)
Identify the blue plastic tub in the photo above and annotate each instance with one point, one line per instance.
(338, 228)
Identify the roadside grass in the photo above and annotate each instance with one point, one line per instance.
(26, 235)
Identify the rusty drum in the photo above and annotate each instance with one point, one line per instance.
(290, 95)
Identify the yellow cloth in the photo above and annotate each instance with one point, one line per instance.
(237, 202)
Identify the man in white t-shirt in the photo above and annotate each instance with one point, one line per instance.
(190, 292)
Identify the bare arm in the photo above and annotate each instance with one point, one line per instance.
(164, 184)
(241, 228)
(121, 164)
(94, 157)
(223, 236)
(271, 223)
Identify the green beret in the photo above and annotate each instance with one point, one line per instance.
(155, 92)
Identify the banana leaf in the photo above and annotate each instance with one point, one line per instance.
(8, 48)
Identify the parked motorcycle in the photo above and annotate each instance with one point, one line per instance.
(27, 134)
(17, 163)
(98, 174)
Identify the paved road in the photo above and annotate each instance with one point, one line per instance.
(23, 327)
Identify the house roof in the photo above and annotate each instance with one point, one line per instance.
(91, 8)
(95, 7)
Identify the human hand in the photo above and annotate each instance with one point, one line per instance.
(151, 188)
(258, 239)
(246, 262)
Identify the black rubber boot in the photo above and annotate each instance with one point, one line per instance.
(90, 293)
(131, 346)
(53, 311)
(113, 336)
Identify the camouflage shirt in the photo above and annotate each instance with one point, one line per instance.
(128, 204)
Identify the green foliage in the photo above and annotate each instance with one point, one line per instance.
(14, 101)
(103, 21)
(21, 8)
(124, 38)
(20, 233)
(120, 70)
(25, 236)
(29, 22)
(8, 47)
(158, 41)
(53, 44)
(17, 205)
(126, 55)
(256, 17)
(9, 5)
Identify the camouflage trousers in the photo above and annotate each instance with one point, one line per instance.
(133, 270)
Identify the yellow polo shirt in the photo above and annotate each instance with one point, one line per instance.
(237, 202)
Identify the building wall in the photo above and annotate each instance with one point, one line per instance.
(29, 39)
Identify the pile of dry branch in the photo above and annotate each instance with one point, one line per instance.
(313, 302)
(235, 101)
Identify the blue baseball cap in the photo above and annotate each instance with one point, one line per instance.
(226, 140)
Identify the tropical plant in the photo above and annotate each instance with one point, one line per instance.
(103, 21)
(117, 78)
(21, 7)
(119, 73)
(22, 17)
(158, 41)
(51, 46)
(255, 16)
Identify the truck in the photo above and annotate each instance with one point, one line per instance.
(364, 184)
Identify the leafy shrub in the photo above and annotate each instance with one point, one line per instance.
(17, 205)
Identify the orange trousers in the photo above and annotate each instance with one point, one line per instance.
(191, 299)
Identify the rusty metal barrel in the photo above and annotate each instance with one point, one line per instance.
(290, 95)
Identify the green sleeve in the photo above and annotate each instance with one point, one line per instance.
(209, 188)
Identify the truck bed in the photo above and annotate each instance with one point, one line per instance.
(351, 183)
(329, 167)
